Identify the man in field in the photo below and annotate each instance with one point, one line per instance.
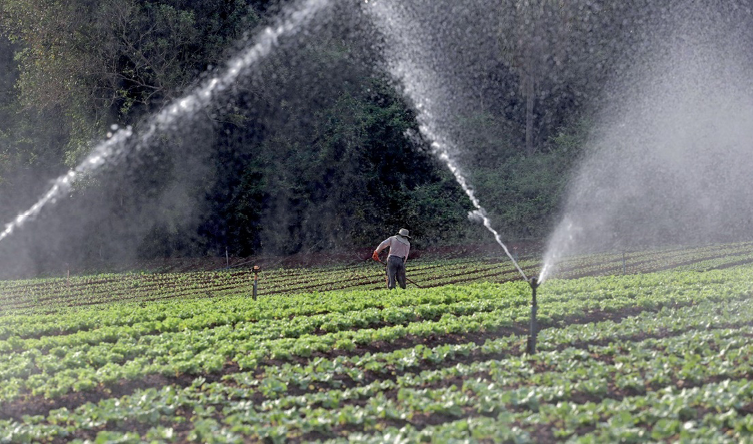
(398, 255)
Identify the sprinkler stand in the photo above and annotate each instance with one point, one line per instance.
(531, 349)
(256, 270)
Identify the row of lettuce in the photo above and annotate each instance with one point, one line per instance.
(679, 372)
(56, 294)
(52, 355)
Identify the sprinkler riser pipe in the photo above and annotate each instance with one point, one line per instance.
(256, 270)
(531, 349)
(532, 336)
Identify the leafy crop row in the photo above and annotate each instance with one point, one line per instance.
(43, 295)
(642, 357)
(650, 389)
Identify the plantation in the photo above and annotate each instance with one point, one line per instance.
(661, 352)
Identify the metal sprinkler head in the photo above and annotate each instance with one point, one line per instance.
(256, 269)
(534, 283)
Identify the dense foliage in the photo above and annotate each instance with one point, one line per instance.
(315, 151)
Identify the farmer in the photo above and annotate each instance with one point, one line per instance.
(399, 249)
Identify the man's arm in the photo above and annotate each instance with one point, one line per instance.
(385, 243)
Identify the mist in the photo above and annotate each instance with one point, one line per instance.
(669, 160)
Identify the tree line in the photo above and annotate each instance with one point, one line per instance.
(316, 150)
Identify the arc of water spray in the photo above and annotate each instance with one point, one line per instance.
(564, 238)
(113, 149)
(412, 76)
(479, 212)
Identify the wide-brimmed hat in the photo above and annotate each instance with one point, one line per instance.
(403, 232)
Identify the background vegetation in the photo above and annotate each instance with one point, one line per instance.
(315, 151)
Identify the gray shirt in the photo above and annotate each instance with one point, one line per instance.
(399, 246)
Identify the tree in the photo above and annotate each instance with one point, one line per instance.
(112, 61)
(534, 35)
(83, 65)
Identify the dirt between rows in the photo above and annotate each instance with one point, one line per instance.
(38, 405)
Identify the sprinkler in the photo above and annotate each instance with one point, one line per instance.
(256, 270)
(531, 349)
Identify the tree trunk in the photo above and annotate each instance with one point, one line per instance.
(530, 93)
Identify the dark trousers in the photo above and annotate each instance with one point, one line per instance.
(395, 269)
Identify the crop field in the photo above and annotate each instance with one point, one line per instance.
(642, 347)
(43, 295)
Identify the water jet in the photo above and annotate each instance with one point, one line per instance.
(121, 142)
(410, 61)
